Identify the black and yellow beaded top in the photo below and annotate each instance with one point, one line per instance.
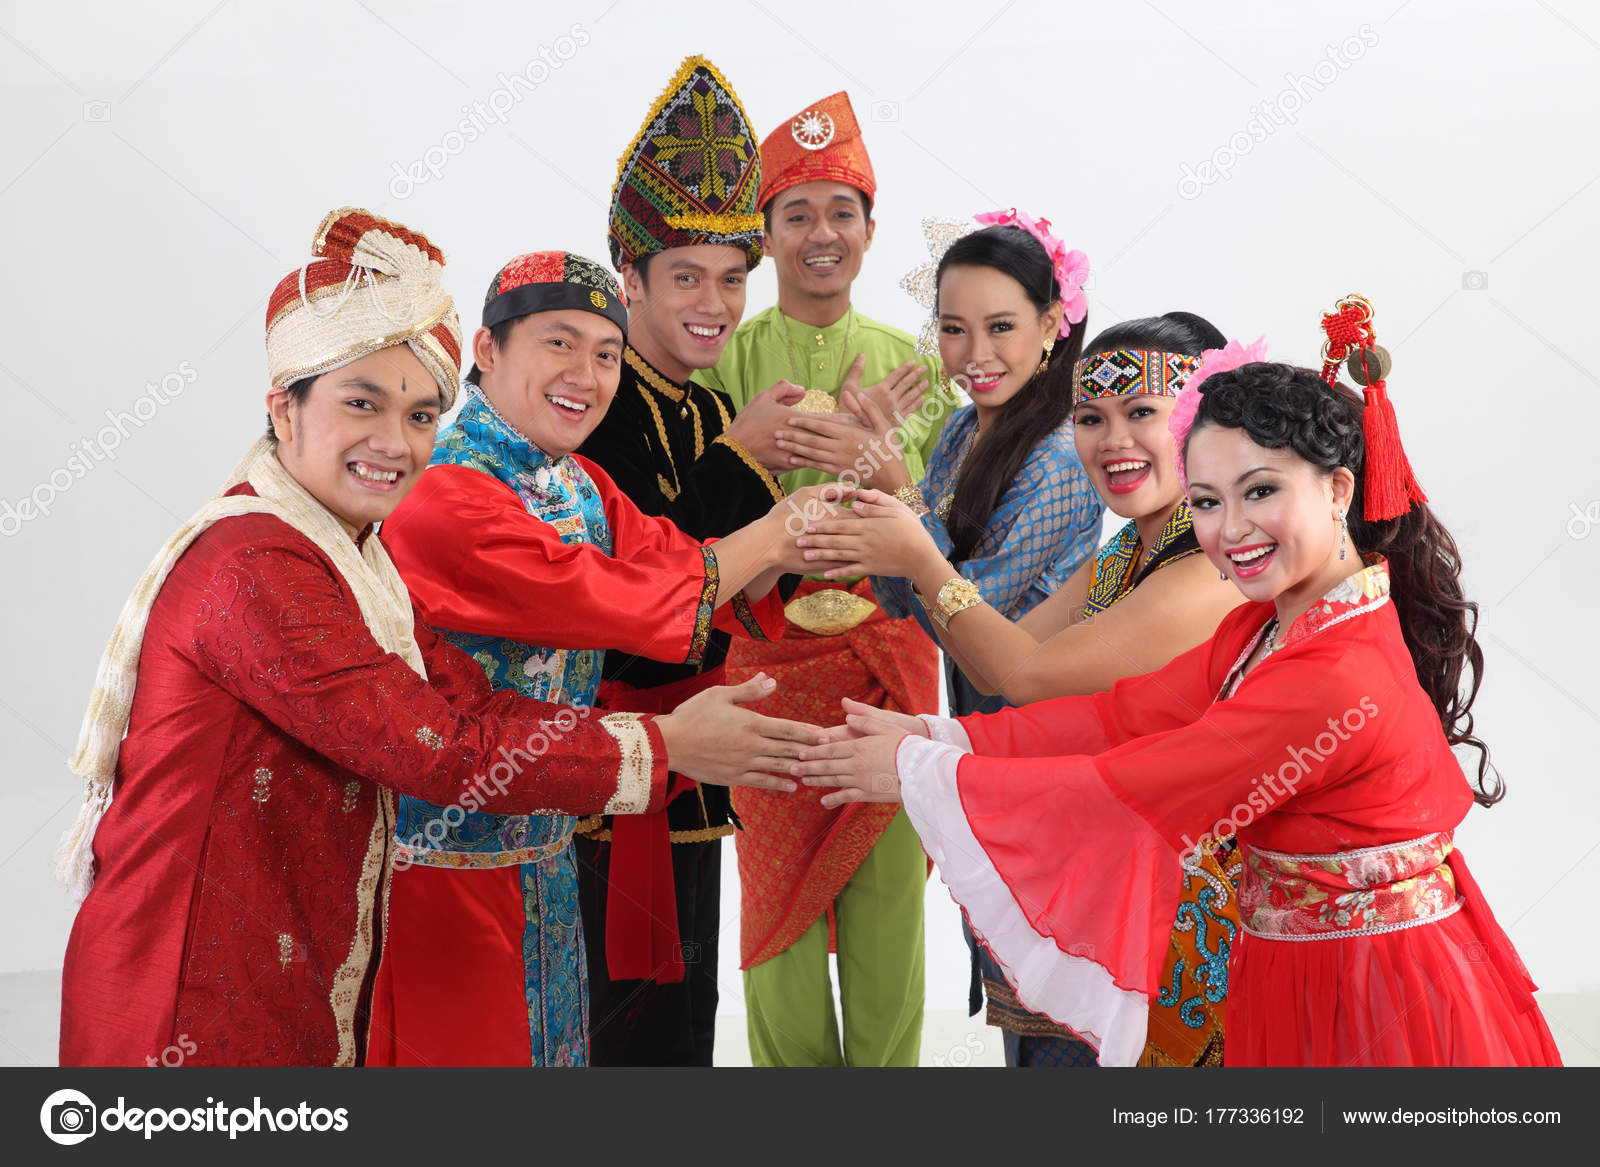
(691, 174)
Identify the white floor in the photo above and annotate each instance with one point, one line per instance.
(30, 1004)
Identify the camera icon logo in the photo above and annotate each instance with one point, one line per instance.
(689, 951)
(68, 1117)
(1475, 952)
(97, 111)
(1475, 281)
(886, 111)
(1584, 521)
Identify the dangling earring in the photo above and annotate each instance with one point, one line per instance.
(1222, 575)
(1045, 363)
(1344, 534)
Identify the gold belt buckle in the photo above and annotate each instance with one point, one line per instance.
(829, 612)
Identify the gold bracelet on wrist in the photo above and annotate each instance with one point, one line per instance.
(912, 497)
(957, 595)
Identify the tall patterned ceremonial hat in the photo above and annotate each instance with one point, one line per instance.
(548, 281)
(373, 284)
(691, 174)
(821, 143)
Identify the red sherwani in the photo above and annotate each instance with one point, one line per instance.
(1365, 940)
(239, 910)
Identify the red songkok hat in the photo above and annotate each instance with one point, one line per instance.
(821, 143)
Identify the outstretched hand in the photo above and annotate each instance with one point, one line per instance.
(881, 536)
(863, 769)
(894, 397)
(860, 436)
(756, 425)
(712, 738)
(862, 719)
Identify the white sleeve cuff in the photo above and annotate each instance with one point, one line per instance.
(947, 731)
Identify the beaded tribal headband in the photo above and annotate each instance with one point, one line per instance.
(1129, 370)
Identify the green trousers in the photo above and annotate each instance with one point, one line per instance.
(878, 916)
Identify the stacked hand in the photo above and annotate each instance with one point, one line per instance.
(860, 760)
(793, 514)
(756, 425)
(879, 536)
(858, 437)
(711, 738)
(896, 396)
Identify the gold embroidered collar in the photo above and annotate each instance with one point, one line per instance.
(648, 374)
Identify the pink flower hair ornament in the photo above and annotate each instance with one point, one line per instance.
(1213, 360)
(1071, 267)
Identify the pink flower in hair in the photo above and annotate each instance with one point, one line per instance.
(1071, 267)
(1213, 360)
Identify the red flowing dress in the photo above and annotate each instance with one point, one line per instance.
(1365, 939)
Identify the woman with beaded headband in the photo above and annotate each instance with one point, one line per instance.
(1146, 597)
(1317, 726)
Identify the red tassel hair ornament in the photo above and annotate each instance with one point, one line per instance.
(1388, 483)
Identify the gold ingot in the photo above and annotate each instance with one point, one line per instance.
(829, 612)
(817, 401)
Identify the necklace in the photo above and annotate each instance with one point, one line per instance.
(942, 507)
(1269, 638)
(844, 349)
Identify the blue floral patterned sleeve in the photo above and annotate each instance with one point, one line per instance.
(1046, 524)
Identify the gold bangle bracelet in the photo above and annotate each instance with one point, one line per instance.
(912, 497)
(957, 595)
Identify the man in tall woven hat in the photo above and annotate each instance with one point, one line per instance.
(812, 878)
(684, 232)
(269, 689)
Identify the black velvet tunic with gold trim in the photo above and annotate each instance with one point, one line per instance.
(663, 444)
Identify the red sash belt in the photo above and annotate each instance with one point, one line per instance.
(1351, 893)
(642, 941)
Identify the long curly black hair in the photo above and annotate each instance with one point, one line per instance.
(1283, 407)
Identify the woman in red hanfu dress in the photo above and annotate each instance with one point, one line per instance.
(1146, 597)
(1316, 726)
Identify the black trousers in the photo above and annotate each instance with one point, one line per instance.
(644, 1023)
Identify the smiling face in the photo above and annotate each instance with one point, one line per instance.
(1267, 517)
(554, 377)
(1125, 445)
(817, 235)
(681, 316)
(363, 434)
(990, 333)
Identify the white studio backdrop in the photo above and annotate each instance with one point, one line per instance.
(161, 166)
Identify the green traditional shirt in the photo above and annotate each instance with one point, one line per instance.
(758, 356)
